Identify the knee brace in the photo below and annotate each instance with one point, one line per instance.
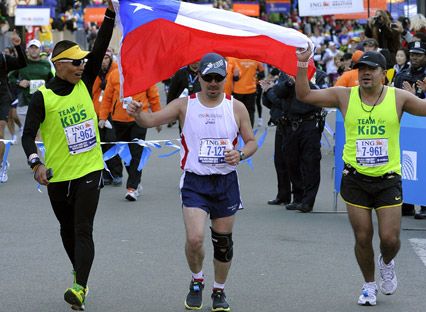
(222, 246)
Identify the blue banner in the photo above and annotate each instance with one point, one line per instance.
(278, 8)
(413, 157)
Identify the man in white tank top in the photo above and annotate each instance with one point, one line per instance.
(211, 122)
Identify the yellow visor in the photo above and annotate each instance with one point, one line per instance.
(73, 53)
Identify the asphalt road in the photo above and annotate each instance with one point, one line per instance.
(283, 260)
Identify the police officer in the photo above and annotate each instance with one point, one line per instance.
(271, 101)
(407, 80)
(301, 126)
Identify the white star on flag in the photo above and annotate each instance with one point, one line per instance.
(140, 6)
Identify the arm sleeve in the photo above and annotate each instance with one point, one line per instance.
(398, 81)
(16, 62)
(276, 93)
(13, 77)
(106, 105)
(153, 99)
(35, 116)
(260, 71)
(265, 101)
(175, 87)
(236, 77)
(280, 91)
(94, 63)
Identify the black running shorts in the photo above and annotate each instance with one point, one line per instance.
(371, 192)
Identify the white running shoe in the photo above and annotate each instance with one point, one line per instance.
(388, 281)
(3, 173)
(15, 139)
(132, 194)
(368, 294)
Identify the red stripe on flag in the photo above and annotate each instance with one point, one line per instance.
(156, 50)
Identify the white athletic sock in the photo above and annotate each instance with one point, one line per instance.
(218, 286)
(198, 276)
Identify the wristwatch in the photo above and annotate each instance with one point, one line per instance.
(34, 160)
(242, 155)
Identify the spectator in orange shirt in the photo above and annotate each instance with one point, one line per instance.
(350, 78)
(245, 87)
(107, 134)
(125, 126)
(232, 74)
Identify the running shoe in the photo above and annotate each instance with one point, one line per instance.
(76, 297)
(194, 299)
(132, 194)
(219, 301)
(3, 172)
(117, 181)
(368, 295)
(15, 139)
(388, 281)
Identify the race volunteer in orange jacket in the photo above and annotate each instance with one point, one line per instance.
(245, 87)
(125, 126)
(107, 134)
(232, 74)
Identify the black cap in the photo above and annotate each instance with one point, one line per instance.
(373, 59)
(213, 63)
(417, 47)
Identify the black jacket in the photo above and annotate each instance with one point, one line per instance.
(411, 75)
(282, 102)
(7, 64)
(183, 79)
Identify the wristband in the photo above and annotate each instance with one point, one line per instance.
(302, 64)
(34, 161)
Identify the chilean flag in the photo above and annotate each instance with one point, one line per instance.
(161, 36)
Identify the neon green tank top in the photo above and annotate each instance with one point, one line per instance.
(372, 139)
(70, 134)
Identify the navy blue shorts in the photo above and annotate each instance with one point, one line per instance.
(218, 195)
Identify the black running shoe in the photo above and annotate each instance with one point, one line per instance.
(194, 299)
(219, 301)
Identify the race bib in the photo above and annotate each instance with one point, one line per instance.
(372, 152)
(35, 84)
(81, 137)
(212, 151)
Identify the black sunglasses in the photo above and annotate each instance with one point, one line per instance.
(211, 77)
(75, 63)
